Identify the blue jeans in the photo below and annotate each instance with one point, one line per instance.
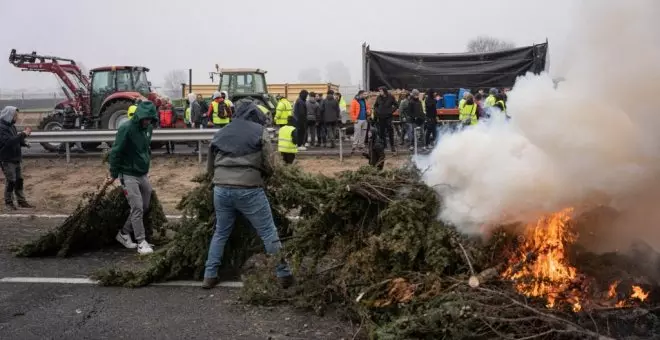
(254, 205)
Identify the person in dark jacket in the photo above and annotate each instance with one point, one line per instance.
(431, 118)
(11, 157)
(331, 114)
(300, 112)
(240, 159)
(416, 116)
(130, 159)
(384, 108)
(313, 118)
(202, 121)
(376, 150)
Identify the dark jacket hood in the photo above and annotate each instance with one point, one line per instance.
(145, 110)
(247, 110)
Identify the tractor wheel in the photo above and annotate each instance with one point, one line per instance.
(115, 115)
(53, 122)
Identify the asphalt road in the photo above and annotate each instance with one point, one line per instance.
(82, 311)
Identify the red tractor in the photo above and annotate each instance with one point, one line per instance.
(99, 103)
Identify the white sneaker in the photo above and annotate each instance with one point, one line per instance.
(125, 241)
(144, 248)
(306, 145)
(302, 148)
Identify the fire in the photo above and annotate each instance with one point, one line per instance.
(541, 269)
(639, 293)
(611, 293)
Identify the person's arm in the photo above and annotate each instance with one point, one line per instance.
(338, 109)
(294, 134)
(117, 149)
(281, 108)
(267, 154)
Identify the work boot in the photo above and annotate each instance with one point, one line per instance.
(25, 205)
(286, 281)
(210, 282)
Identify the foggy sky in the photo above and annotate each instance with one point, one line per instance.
(282, 37)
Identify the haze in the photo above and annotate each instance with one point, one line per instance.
(282, 37)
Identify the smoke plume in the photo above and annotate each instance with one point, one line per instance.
(593, 140)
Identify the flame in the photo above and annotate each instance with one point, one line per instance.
(611, 293)
(541, 269)
(639, 293)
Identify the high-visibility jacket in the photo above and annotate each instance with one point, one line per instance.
(461, 103)
(283, 111)
(217, 119)
(186, 116)
(263, 109)
(468, 112)
(501, 102)
(285, 142)
(490, 101)
(131, 111)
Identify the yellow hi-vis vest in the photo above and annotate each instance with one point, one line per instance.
(468, 112)
(217, 120)
(131, 111)
(503, 105)
(461, 103)
(283, 111)
(285, 142)
(490, 101)
(186, 116)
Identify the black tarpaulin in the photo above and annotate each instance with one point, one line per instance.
(448, 72)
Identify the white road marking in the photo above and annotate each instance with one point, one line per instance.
(87, 281)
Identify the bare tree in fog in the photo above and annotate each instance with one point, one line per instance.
(484, 43)
(309, 75)
(338, 73)
(173, 81)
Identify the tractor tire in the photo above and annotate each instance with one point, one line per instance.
(54, 122)
(115, 114)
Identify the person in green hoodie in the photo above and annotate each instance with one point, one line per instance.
(129, 160)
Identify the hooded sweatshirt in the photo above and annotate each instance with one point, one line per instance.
(300, 107)
(10, 140)
(131, 151)
(313, 110)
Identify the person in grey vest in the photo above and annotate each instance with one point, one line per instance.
(240, 158)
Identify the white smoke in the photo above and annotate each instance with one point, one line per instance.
(595, 139)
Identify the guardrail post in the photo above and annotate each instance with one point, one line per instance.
(199, 151)
(67, 148)
(341, 144)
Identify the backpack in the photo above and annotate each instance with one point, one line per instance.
(165, 118)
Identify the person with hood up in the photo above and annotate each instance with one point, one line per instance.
(313, 117)
(376, 151)
(359, 113)
(283, 111)
(330, 114)
(385, 106)
(416, 116)
(240, 158)
(219, 112)
(431, 119)
(300, 113)
(130, 159)
(468, 113)
(11, 157)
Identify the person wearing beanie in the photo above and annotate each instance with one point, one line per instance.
(129, 160)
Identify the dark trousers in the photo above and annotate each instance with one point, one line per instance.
(386, 130)
(288, 157)
(13, 182)
(170, 146)
(430, 127)
(328, 133)
(301, 130)
(311, 132)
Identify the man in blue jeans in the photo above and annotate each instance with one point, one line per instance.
(240, 157)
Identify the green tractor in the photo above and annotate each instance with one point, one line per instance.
(241, 83)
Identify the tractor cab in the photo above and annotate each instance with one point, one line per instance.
(244, 82)
(107, 81)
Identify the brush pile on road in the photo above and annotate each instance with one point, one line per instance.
(367, 244)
